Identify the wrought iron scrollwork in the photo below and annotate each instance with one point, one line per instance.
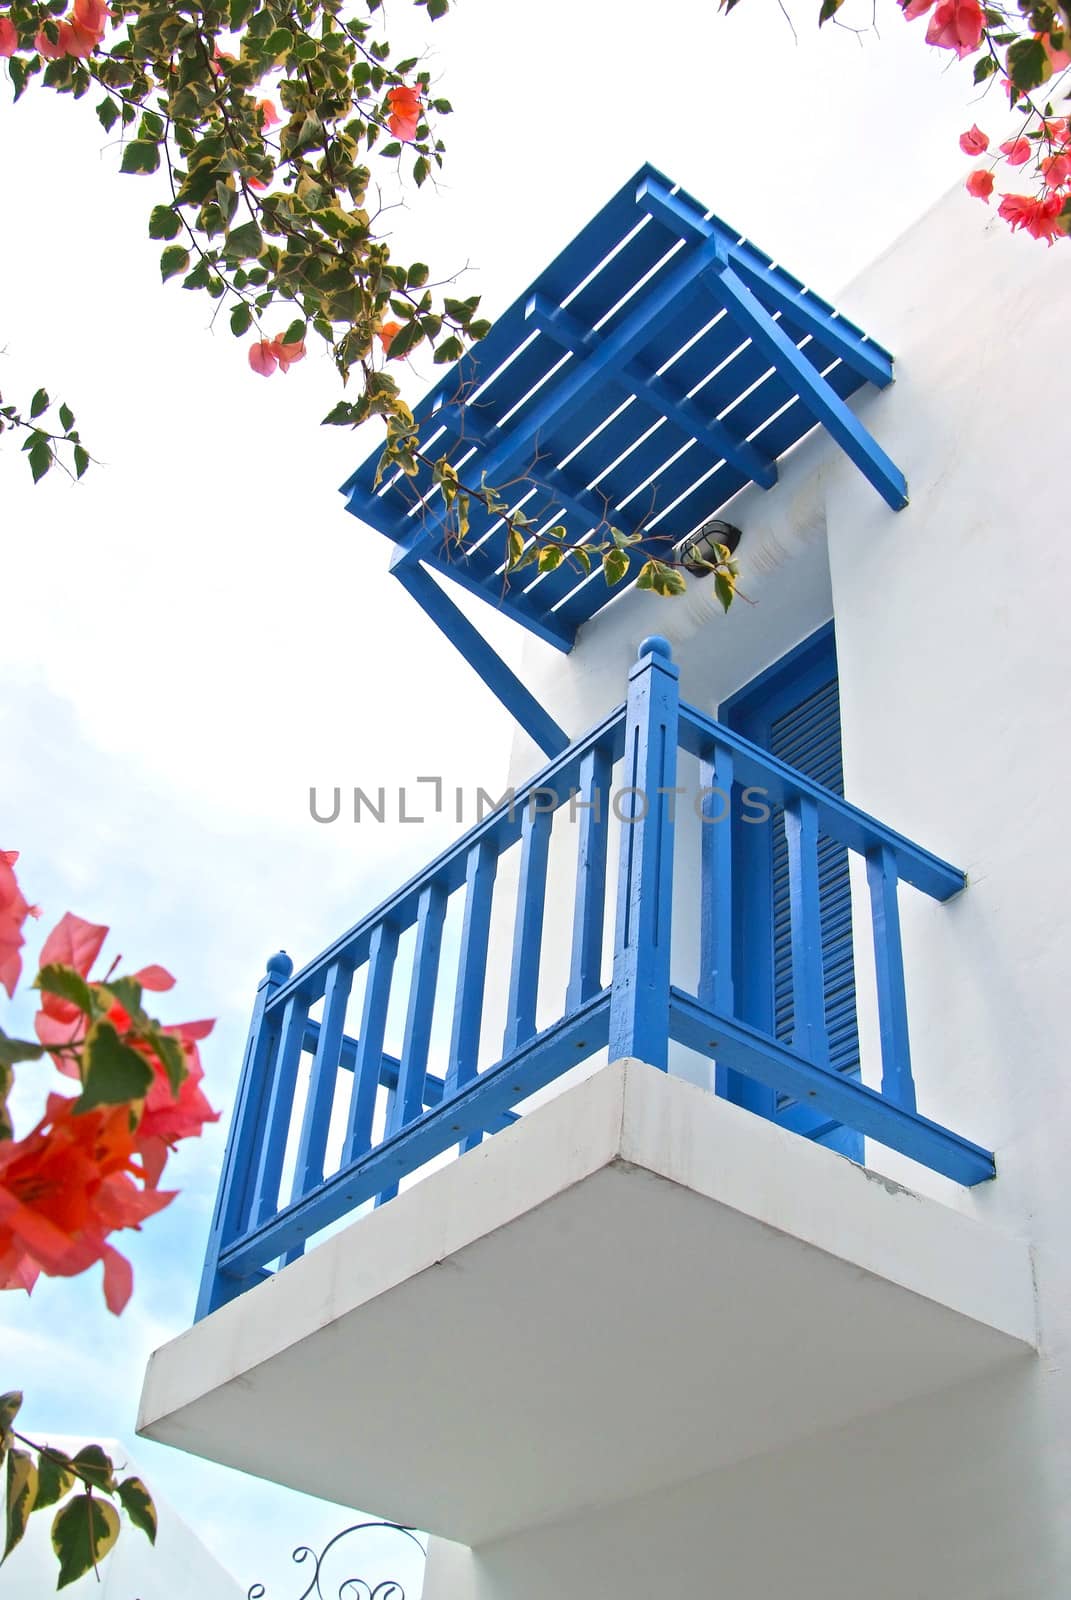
(350, 1588)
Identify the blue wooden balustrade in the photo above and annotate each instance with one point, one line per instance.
(421, 1115)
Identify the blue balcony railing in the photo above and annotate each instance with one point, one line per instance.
(306, 1083)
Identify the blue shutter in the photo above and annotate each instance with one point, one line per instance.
(793, 710)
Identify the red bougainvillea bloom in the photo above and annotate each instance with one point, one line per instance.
(269, 117)
(78, 35)
(1034, 216)
(916, 8)
(1056, 171)
(63, 1189)
(956, 25)
(1058, 59)
(168, 1117)
(980, 184)
(267, 354)
(387, 334)
(13, 913)
(256, 183)
(9, 39)
(974, 142)
(1017, 151)
(75, 943)
(404, 112)
(1057, 130)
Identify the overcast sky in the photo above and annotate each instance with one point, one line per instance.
(197, 633)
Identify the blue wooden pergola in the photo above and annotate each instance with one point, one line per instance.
(658, 365)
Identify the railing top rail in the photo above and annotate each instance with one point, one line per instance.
(501, 828)
(836, 816)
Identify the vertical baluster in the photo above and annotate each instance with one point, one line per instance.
(716, 883)
(589, 913)
(809, 1034)
(406, 1102)
(480, 870)
(316, 1123)
(897, 1083)
(279, 1108)
(243, 1142)
(639, 1003)
(528, 928)
(368, 1060)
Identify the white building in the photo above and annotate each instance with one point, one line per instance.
(660, 1335)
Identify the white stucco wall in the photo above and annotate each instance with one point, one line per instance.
(954, 654)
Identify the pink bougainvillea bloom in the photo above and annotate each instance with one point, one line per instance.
(9, 39)
(269, 117)
(1034, 216)
(262, 358)
(1056, 130)
(980, 184)
(13, 913)
(287, 354)
(974, 141)
(956, 25)
(916, 8)
(404, 112)
(1056, 171)
(1017, 151)
(1058, 59)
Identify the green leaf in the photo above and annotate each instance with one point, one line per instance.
(21, 1493)
(829, 9)
(137, 1503)
(66, 416)
(13, 1051)
(244, 243)
(277, 43)
(173, 261)
(81, 460)
(409, 335)
(9, 1410)
(339, 416)
(296, 331)
(241, 318)
(55, 1478)
(83, 1532)
(95, 1467)
(164, 222)
(550, 556)
(39, 403)
(450, 350)
(171, 1054)
(140, 155)
(1028, 65)
(40, 458)
(108, 112)
(984, 68)
(614, 566)
(417, 276)
(68, 984)
(112, 1072)
(725, 589)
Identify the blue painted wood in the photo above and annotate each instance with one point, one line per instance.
(589, 906)
(233, 1197)
(477, 1105)
(639, 1005)
(836, 816)
(846, 1100)
(323, 1076)
(897, 1082)
(528, 928)
(715, 987)
(467, 1023)
(368, 1059)
(279, 1106)
(487, 663)
(805, 912)
(416, 1039)
(729, 289)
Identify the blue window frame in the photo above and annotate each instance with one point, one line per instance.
(793, 710)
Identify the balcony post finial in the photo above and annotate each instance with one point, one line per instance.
(655, 645)
(278, 967)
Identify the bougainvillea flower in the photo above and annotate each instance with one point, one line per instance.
(1058, 59)
(974, 142)
(78, 35)
(256, 183)
(269, 117)
(956, 25)
(1034, 216)
(405, 111)
(387, 334)
(63, 1189)
(267, 354)
(13, 913)
(75, 943)
(980, 184)
(916, 8)
(9, 39)
(1057, 130)
(1017, 151)
(1056, 171)
(169, 1117)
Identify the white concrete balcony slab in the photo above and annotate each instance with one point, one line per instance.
(635, 1284)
